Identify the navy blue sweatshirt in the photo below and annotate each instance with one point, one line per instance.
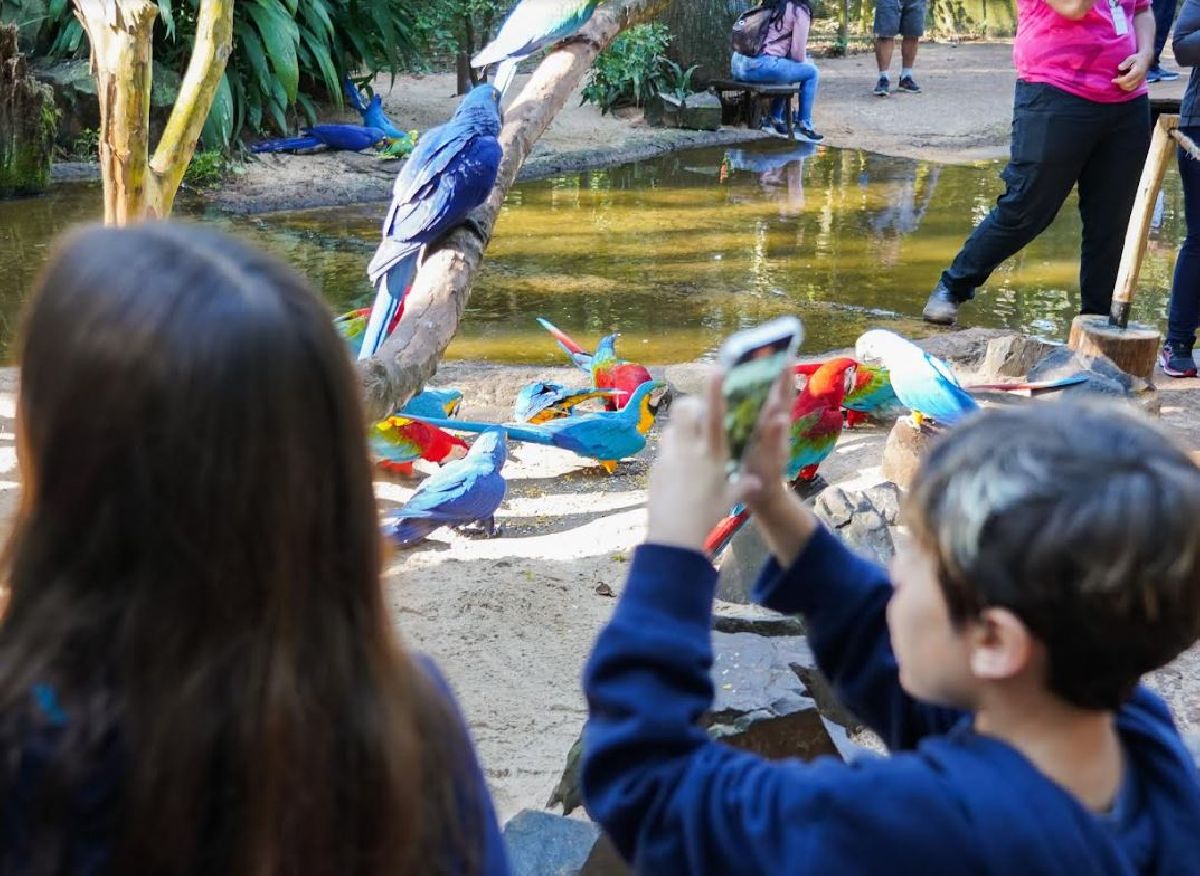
(948, 802)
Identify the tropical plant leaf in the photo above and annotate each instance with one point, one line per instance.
(167, 13)
(280, 37)
(218, 127)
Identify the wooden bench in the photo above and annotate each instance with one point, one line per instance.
(741, 102)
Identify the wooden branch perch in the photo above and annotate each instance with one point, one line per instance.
(435, 304)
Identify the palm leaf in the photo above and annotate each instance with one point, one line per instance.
(280, 37)
(218, 127)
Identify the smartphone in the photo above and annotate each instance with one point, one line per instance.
(752, 360)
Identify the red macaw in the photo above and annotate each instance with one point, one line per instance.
(607, 370)
(399, 441)
(872, 393)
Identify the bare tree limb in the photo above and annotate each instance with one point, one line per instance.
(435, 304)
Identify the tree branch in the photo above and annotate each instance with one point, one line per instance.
(435, 304)
(210, 54)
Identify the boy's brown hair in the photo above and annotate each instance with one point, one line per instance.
(1083, 519)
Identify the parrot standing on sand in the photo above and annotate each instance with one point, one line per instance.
(531, 26)
(923, 383)
(371, 110)
(816, 425)
(539, 402)
(449, 174)
(606, 436)
(349, 138)
(398, 442)
(464, 492)
(608, 371)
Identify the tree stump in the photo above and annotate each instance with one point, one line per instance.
(1133, 349)
(27, 123)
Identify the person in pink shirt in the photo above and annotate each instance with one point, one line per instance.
(1081, 116)
(784, 59)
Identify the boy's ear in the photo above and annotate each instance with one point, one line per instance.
(1001, 647)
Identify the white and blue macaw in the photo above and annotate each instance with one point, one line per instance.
(449, 174)
(468, 490)
(531, 26)
(923, 383)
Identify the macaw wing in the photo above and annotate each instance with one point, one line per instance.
(533, 25)
(813, 437)
(601, 436)
(460, 491)
(941, 368)
(392, 441)
(873, 390)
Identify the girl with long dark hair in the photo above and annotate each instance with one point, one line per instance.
(198, 673)
(784, 59)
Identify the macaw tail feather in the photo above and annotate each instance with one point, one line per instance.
(581, 357)
(1040, 386)
(722, 534)
(352, 95)
(388, 302)
(528, 434)
(287, 144)
(409, 531)
(505, 74)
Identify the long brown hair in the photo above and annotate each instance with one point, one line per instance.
(194, 580)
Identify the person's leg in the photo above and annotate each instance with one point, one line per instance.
(758, 69)
(912, 27)
(1108, 184)
(769, 68)
(1164, 17)
(887, 25)
(884, 46)
(1183, 313)
(808, 76)
(1049, 147)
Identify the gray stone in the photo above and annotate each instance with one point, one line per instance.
(964, 348)
(857, 522)
(75, 95)
(886, 497)
(1103, 376)
(761, 703)
(903, 451)
(734, 618)
(699, 112)
(1012, 356)
(545, 844)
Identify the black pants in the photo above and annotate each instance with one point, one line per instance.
(1059, 140)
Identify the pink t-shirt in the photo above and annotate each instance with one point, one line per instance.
(1080, 57)
(788, 37)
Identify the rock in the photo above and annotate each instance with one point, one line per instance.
(761, 704)
(903, 450)
(886, 497)
(27, 123)
(965, 348)
(734, 618)
(1103, 376)
(857, 522)
(79, 107)
(699, 112)
(545, 844)
(1012, 356)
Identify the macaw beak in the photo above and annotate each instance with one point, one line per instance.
(659, 399)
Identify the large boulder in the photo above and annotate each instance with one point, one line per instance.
(1103, 377)
(1012, 356)
(964, 349)
(75, 95)
(27, 123)
(906, 445)
(858, 523)
(545, 844)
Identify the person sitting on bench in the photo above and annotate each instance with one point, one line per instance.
(782, 59)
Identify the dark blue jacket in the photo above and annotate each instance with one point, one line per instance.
(86, 846)
(958, 804)
(1186, 47)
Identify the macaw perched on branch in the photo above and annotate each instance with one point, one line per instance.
(872, 394)
(349, 138)
(539, 402)
(816, 425)
(371, 110)
(449, 174)
(353, 323)
(924, 384)
(398, 442)
(607, 370)
(531, 26)
(461, 493)
(433, 403)
(607, 436)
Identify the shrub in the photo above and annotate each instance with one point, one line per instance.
(629, 70)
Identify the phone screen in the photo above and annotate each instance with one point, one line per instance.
(752, 361)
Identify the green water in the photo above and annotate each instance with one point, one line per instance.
(677, 252)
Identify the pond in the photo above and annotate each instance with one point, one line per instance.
(677, 252)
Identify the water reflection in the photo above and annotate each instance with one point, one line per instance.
(679, 251)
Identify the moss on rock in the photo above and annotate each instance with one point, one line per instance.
(28, 121)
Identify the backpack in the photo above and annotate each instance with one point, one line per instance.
(750, 30)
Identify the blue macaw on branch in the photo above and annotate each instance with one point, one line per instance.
(466, 491)
(606, 436)
(348, 138)
(449, 174)
(531, 26)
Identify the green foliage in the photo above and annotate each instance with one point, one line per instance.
(85, 146)
(677, 81)
(207, 169)
(287, 54)
(448, 27)
(629, 70)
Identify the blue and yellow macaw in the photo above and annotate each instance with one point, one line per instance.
(449, 174)
(433, 403)
(924, 384)
(531, 26)
(458, 494)
(607, 436)
(540, 402)
(349, 138)
(607, 369)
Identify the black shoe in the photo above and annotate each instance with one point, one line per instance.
(942, 306)
(883, 87)
(907, 83)
(1176, 360)
(805, 132)
(774, 125)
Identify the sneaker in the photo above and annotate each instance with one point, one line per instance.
(775, 126)
(907, 83)
(806, 132)
(1154, 74)
(942, 306)
(1161, 74)
(1176, 361)
(883, 87)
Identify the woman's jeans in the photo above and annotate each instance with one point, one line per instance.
(769, 69)
(1184, 311)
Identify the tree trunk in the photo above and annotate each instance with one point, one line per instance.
(700, 32)
(121, 36)
(435, 304)
(27, 122)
